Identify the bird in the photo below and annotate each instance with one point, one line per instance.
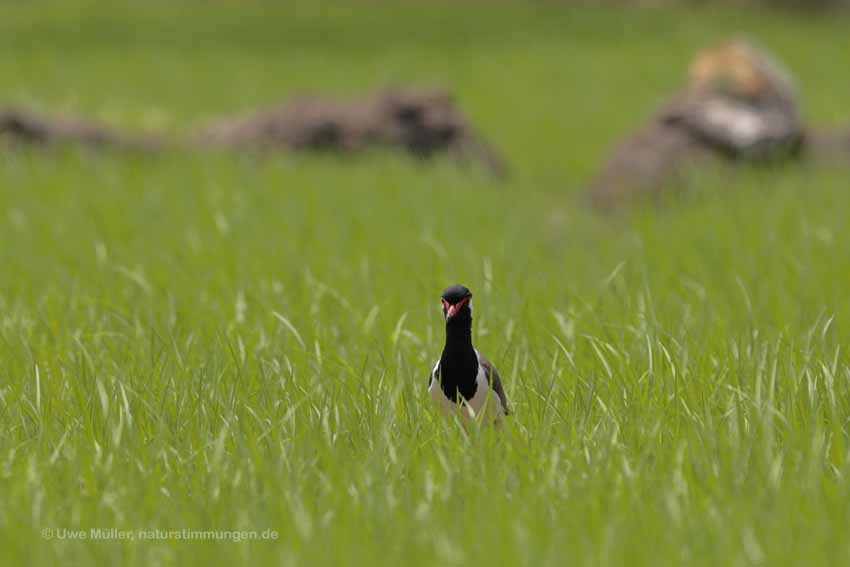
(462, 379)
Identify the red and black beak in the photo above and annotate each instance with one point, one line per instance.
(452, 309)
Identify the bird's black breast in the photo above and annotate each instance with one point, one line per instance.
(458, 375)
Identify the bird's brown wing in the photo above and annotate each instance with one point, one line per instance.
(495, 381)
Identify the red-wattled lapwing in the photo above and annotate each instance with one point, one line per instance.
(462, 378)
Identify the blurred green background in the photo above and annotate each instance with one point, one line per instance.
(213, 341)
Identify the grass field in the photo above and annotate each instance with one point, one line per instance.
(211, 342)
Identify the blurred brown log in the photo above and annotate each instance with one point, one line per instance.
(26, 127)
(422, 122)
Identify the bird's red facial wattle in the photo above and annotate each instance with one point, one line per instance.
(452, 310)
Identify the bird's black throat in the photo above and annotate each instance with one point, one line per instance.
(459, 363)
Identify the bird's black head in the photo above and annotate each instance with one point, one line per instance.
(456, 301)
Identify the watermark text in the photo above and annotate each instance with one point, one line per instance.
(157, 534)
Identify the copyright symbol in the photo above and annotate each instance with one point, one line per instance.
(47, 533)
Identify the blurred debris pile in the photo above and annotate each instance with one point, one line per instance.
(740, 105)
(829, 147)
(422, 122)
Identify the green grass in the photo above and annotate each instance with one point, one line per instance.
(212, 342)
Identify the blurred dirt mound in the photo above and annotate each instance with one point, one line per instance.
(422, 122)
(25, 127)
(739, 105)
